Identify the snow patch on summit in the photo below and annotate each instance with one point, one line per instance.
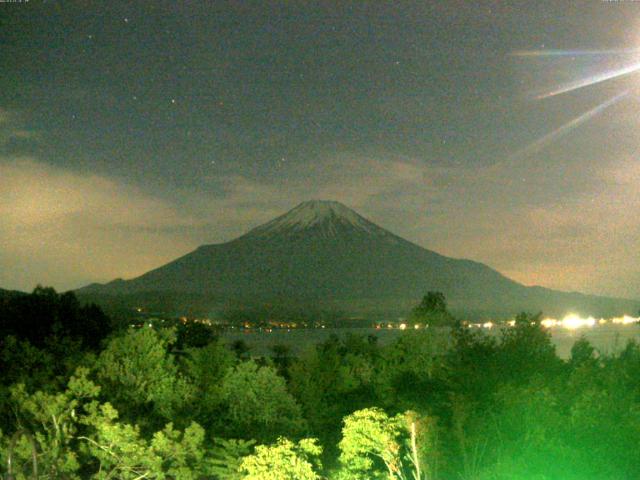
(325, 213)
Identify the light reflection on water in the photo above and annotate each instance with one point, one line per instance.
(606, 338)
(609, 338)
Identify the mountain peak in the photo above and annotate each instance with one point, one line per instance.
(322, 209)
(326, 215)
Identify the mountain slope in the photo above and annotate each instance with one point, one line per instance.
(322, 251)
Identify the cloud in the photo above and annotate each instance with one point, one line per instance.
(14, 138)
(581, 239)
(372, 186)
(568, 229)
(65, 228)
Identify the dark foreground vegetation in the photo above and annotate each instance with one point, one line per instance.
(95, 401)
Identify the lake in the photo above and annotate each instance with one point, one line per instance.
(609, 338)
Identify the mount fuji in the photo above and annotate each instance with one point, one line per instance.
(324, 253)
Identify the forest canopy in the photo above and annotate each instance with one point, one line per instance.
(136, 402)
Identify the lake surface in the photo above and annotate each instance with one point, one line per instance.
(609, 338)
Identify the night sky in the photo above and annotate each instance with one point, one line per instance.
(504, 132)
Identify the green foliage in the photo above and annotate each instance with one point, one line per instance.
(52, 419)
(404, 377)
(205, 368)
(227, 456)
(375, 445)
(432, 310)
(139, 375)
(22, 362)
(122, 452)
(194, 335)
(283, 460)
(432, 302)
(78, 437)
(475, 406)
(470, 367)
(257, 403)
(422, 447)
(526, 350)
(333, 380)
(44, 314)
(370, 438)
(582, 352)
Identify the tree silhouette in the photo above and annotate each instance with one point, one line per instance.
(433, 310)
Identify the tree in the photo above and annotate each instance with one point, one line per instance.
(194, 334)
(52, 420)
(140, 376)
(405, 373)
(334, 379)
(526, 421)
(405, 444)
(205, 368)
(78, 437)
(283, 460)
(582, 353)
(281, 356)
(526, 350)
(258, 404)
(227, 455)
(241, 349)
(45, 314)
(371, 439)
(433, 310)
(433, 302)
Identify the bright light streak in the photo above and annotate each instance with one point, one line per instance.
(567, 127)
(572, 53)
(592, 80)
(625, 320)
(549, 322)
(573, 321)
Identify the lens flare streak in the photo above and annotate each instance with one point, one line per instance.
(572, 53)
(567, 127)
(592, 80)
